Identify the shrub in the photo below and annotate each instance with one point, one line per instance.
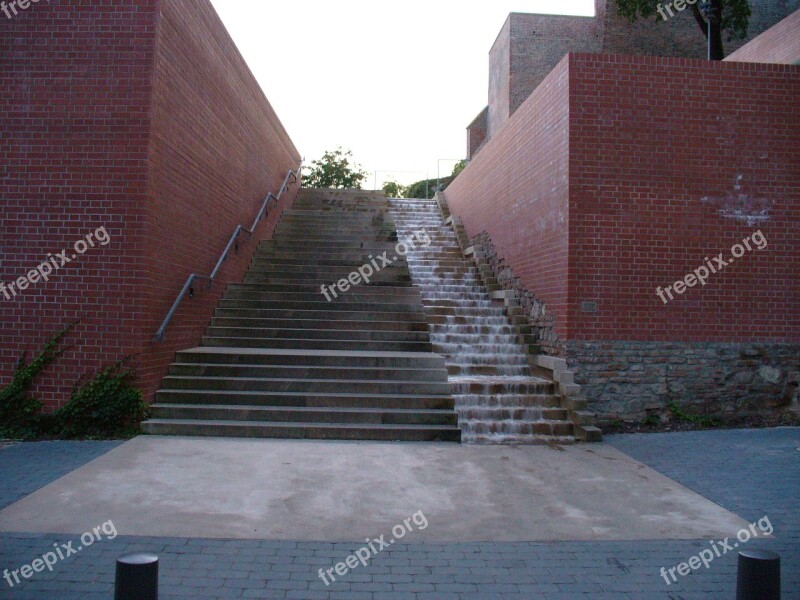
(106, 406)
(20, 413)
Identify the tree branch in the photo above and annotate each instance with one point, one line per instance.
(701, 22)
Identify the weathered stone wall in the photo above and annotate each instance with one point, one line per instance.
(542, 322)
(628, 380)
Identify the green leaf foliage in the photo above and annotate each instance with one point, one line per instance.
(735, 13)
(392, 189)
(20, 413)
(105, 406)
(460, 166)
(336, 169)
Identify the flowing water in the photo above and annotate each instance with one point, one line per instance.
(497, 398)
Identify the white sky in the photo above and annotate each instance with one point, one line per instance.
(397, 83)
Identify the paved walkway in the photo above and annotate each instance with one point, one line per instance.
(335, 491)
(753, 473)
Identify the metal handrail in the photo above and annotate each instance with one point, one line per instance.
(187, 287)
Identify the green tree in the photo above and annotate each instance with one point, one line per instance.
(417, 189)
(731, 16)
(336, 169)
(460, 166)
(392, 189)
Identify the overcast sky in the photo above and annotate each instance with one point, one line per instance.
(397, 83)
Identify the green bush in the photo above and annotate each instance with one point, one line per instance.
(701, 420)
(106, 406)
(392, 189)
(651, 421)
(103, 406)
(20, 413)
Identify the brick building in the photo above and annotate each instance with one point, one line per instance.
(614, 180)
(529, 46)
(142, 118)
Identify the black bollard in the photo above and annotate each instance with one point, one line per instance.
(759, 576)
(137, 577)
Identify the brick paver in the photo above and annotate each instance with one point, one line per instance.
(753, 473)
(25, 468)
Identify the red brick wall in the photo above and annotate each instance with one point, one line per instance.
(780, 44)
(217, 149)
(476, 133)
(499, 76)
(143, 118)
(530, 45)
(653, 164)
(75, 84)
(516, 190)
(539, 42)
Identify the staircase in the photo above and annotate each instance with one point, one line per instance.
(497, 397)
(280, 360)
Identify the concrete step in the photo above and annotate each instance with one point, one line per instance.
(312, 291)
(308, 372)
(301, 226)
(316, 344)
(259, 384)
(307, 244)
(369, 335)
(308, 399)
(311, 288)
(533, 428)
(264, 268)
(506, 400)
(282, 360)
(303, 280)
(510, 439)
(322, 431)
(222, 412)
(342, 303)
(349, 325)
(507, 385)
(511, 413)
(407, 315)
(333, 240)
(440, 310)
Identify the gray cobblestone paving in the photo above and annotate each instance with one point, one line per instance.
(27, 467)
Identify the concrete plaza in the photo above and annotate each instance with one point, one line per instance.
(258, 518)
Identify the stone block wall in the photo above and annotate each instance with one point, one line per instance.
(629, 380)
